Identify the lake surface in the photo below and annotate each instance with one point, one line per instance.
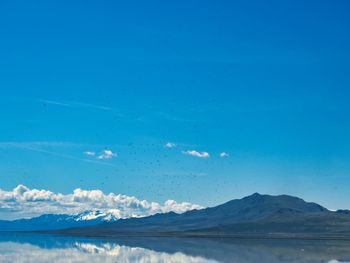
(49, 248)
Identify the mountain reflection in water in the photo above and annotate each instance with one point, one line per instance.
(48, 248)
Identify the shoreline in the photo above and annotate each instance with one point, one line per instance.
(194, 235)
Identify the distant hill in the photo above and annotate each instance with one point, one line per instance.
(253, 216)
(57, 221)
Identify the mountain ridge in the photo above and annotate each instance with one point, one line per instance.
(258, 215)
(58, 221)
(255, 215)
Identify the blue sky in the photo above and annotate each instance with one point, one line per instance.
(265, 82)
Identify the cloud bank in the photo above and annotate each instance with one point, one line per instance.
(25, 202)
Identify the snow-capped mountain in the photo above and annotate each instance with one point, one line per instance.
(108, 216)
(60, 221)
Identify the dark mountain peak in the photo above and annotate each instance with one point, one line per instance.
(262, 205)
(255, 195)
(288, 199)
(268, 197)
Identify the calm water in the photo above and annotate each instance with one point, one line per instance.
(45, 248)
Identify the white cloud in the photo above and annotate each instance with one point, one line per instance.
(45, 148)
(223, 154)
(170, 145)
(25, 202)
(105, 154)
(197, 154)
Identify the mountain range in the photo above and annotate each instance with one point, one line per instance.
(261, 216)
(257, 215)
(58, 221)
